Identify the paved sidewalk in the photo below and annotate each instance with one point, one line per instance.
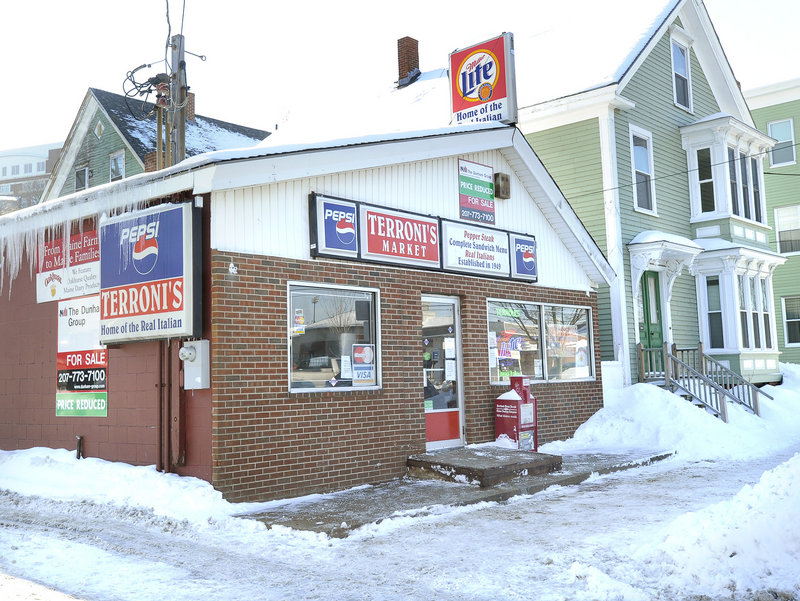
(338, 514)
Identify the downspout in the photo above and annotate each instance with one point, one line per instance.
(160, 419)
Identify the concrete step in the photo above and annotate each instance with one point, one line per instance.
(484, 465)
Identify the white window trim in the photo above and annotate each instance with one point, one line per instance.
(776, 221)
(85, 169)
(786, 342)
(633, 130)
(543, 334)
(794, 149)
(111, 157)
(378, 343)
(682, 39)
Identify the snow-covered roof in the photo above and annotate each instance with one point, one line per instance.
(203, 134)
(655, 236)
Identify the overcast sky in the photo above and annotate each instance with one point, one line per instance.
(262, 54)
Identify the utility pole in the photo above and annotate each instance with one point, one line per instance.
(178, 96)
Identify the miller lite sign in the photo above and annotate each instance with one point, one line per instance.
(337, 228)
(148, 275)
(482, 82)
(523, 257)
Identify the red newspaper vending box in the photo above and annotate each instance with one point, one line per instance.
(515, 415)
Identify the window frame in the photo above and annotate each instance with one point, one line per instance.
(718, 311)
(685, 46)
(85, 170)
(637, 132)
(778, 230)
(786, 342)
(119, 154)
(543, 341)
(710, 179)
(791, 141)
(376, 315)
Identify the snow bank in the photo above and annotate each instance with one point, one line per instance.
(745, 543)
(57, 474)
(646, 417)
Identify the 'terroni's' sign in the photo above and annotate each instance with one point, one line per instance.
(482, 82)
(149, 281)
(396, 237)
(348, 229)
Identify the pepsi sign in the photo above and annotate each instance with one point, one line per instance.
(523, 258)
(337, 227)
(147, 275)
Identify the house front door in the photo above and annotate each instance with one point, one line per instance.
(651, 332)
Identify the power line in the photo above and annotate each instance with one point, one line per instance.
(675, 174)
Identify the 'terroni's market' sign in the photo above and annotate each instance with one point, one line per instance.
(149, 277)
(347, 229)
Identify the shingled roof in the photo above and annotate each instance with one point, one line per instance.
(203, 134)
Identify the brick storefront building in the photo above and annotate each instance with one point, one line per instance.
(355, 312)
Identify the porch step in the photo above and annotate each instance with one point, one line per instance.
(486, 466)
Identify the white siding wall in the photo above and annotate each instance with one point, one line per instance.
(272, 220)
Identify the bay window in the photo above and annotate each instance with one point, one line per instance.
(725, 169)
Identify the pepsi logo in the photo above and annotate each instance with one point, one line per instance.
(345, 231)
(145, 255)
(528, 260)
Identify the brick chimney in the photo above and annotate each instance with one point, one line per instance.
(407, 61)
(190, 106)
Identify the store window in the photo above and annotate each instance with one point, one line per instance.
(791, 320)
(515, 341)
(783, 152)
(567, 336)
(644, 186)
(787, 227)
(333, 338)
(543, 342)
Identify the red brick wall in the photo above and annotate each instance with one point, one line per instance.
(28, 331)
(268, 443)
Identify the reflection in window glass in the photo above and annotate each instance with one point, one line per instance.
(326, 328)
(715, 331)
(791, 317)
(514, 341)
(567, 334)
(706, 180)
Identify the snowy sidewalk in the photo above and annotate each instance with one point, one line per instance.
(338, 514)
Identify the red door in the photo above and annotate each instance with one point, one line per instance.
(441, 371)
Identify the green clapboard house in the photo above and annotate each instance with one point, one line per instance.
(115, 136)
(776, 111)
(651, 141)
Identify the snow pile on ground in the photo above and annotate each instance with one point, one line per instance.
(57, 474)
(647, 417)
(743, 543)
